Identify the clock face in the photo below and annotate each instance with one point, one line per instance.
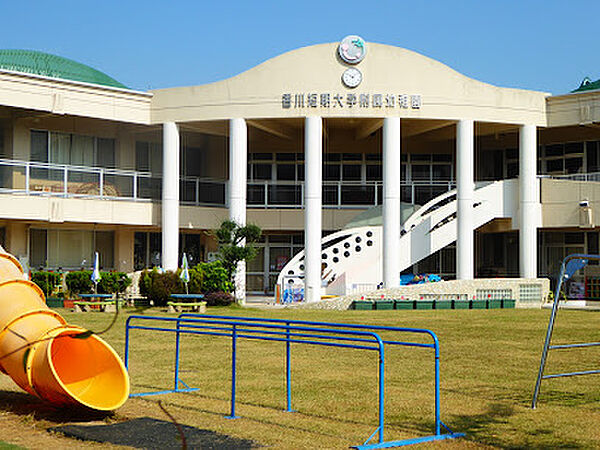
(352, 49)
(352, 77)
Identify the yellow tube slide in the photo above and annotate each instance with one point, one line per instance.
(57, 362)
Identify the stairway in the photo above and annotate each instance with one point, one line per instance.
(351, 259)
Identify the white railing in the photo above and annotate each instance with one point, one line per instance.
(592, 176)
(61, 180)
(340, 194)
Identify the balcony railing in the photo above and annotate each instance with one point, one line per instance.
(340, 194)
(592, 176)
(45, 179)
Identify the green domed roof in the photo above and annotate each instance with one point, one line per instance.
(38, 63)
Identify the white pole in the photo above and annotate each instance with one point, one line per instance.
(391, 201)
(170, 196)
(465, 195)
(238, 157)
(313, 146)
(528, 201)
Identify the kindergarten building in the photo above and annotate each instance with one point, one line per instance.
(364, 160)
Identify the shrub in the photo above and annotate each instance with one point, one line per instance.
(79, 282)
(215, 277)
(113, 282)
(158, 287)
(47, 281)
(218, 299)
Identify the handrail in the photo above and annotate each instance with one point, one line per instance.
(364, 337)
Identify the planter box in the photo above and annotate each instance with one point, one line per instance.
(478, 304)
(362, 305)
(404, 304)
(68, 303)
(461, 304)
(141, 303)
(384, 304)
(424, 304)
(494, 304)
(508, 303)
(443, 304)
(53, 302)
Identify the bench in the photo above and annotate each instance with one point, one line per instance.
(183, 306)
(88, 302)
(182, 302)
(83, 306)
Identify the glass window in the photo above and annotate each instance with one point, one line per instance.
(441, 172)
(420, 157)
(257, 264)
(554, 150)
(352, 156)
(155, 249)
(573, 165)
(420, 172)
(286, 172)
(555, 165)
(442, 157)
(573, 147)
(331, 172)
(142, 157)
(374, 172)
(39, 146)
(512, 153)
(261, 156)
(261, 171)
(331, 157)
(105, 245)
(106, 153)
(82, 151)
(140, 245)
(574, 238)
(592, 156)
(38, 248)
(60, 148)
(351, 172)
(278, 258)
(285, 156)
(373, 156)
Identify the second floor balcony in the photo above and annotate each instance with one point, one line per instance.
(68, 181)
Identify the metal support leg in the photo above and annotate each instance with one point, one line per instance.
(538, 383)
(288, 370)
(233, 374)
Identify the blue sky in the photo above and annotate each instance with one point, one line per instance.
(542, 45)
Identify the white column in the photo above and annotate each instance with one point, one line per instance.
(238, 156)
(528, 201)
(170, 196)
(465, 187)
(391, 201)
(313, 131)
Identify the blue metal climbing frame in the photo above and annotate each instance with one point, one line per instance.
(363, 337)
(569, 266)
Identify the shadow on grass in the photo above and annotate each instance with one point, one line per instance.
(26, 405)
(481, 428)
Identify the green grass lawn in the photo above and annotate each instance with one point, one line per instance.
(489, 362)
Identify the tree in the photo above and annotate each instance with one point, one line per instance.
(236, 243)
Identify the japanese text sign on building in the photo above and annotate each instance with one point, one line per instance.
(350, 100)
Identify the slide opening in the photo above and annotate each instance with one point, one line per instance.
(89, 370)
